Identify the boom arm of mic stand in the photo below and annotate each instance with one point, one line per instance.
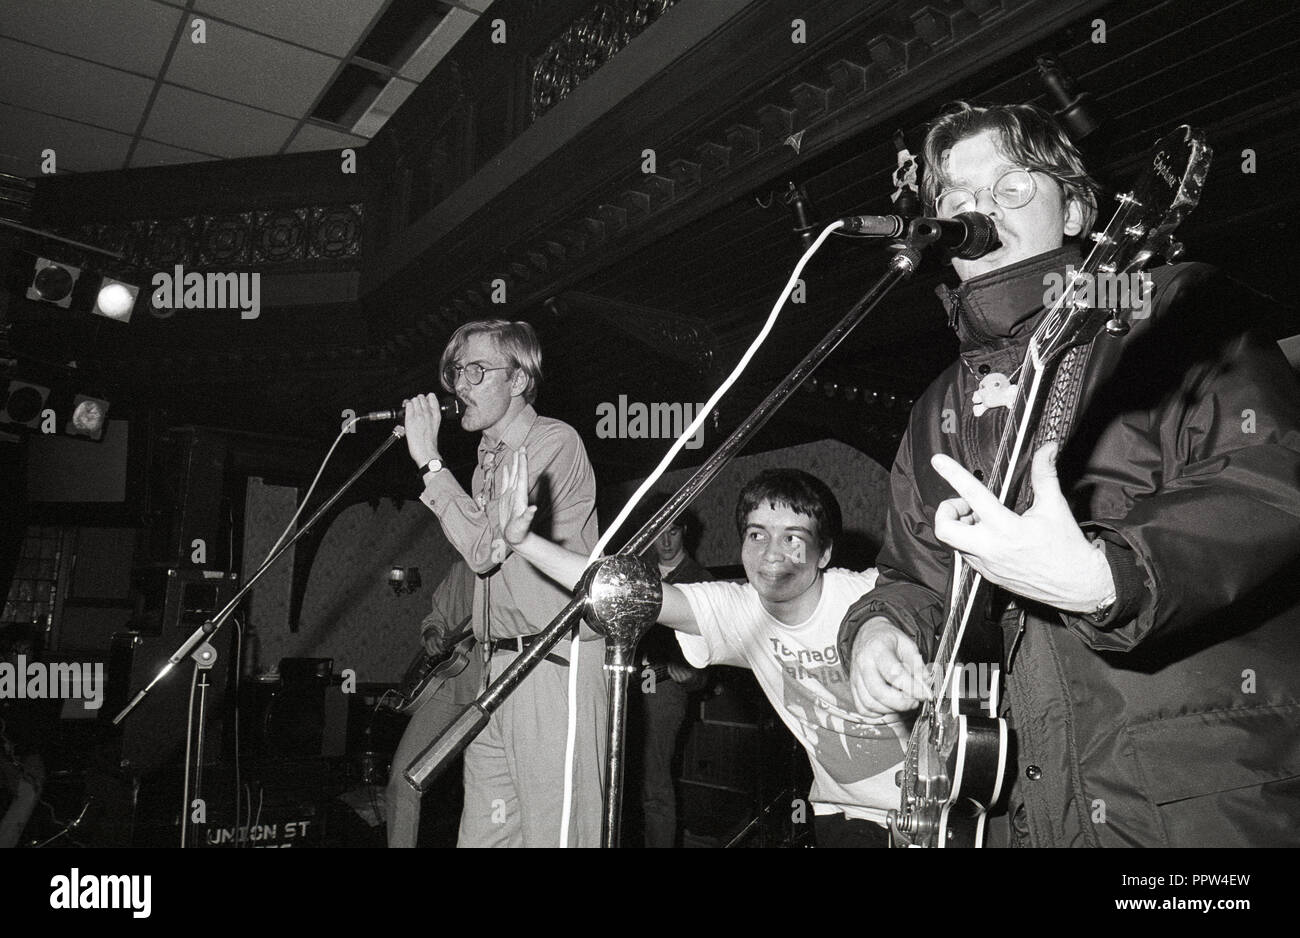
(212, 625)
(425, 767)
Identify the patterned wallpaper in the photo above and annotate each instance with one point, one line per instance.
(351, 615)
(349, 612)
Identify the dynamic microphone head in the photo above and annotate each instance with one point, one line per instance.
(981, 236)
(451, 407)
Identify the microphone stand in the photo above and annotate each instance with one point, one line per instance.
(457, 735)
(198, 646)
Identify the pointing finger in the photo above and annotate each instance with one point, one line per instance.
(965, 484)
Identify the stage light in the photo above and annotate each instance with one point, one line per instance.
(53, 282)
(88, 417)
(24, 403)
(116, 299)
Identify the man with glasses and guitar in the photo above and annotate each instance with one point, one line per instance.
(1113, 497)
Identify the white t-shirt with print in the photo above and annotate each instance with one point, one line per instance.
(854, 758)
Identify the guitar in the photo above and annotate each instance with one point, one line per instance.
(956, 761)
(426, 675)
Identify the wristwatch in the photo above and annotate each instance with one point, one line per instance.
(433, 465)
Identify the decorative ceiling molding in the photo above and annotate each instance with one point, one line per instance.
(748, 142)
(587, 44)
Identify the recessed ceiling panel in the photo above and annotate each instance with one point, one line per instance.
(128, 34)
(332, 26)
(71, 88)
(201, 122)
(439, 43)
(77, 147)
(384, 106)
(234, 63)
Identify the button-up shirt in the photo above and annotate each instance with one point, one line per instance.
(562, 485)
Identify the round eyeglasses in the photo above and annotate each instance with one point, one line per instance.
(1013, 189)
(474, 373)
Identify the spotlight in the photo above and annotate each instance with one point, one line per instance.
(24, 403)
(116, 299)
(88, 415)
(53, 282)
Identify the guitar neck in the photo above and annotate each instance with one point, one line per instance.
(966, 596)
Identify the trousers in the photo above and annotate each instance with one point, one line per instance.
(514, 768)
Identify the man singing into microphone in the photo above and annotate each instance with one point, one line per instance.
(514, 768)
(1148, 610)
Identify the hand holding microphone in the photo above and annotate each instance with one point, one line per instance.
(423, 419)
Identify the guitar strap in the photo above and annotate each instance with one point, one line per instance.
(1058, 412)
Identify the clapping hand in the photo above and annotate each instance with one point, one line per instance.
(514, 514)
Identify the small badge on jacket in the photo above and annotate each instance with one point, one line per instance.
(995, 390)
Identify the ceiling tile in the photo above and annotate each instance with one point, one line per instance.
(130, 34)
(152, 153)
(332, 26)
(252, 69)
(315, 137)
(71, 88)
(77, 148)
(201, 122)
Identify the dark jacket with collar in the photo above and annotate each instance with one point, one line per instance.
(1176, 721)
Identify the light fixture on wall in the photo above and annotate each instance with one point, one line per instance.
(404, 580)
(116, 299)
(88, 415)
(53, 282)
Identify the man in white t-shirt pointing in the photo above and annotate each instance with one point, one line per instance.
(782, 624)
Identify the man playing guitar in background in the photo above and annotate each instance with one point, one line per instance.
(445, 625)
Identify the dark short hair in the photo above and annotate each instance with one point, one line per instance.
(797, 490)
(1026, 134)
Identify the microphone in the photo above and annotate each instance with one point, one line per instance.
(969, 235)
(450, 407)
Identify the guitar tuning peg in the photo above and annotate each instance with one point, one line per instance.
(1175, 250)
(1116, 326)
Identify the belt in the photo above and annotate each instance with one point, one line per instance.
(520, 643)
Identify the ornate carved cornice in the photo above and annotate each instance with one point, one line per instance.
(588, 43)
(861, 75)
(306, 237)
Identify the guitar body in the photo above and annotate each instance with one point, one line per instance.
(955, 772)
(426, 675)
(957, 758)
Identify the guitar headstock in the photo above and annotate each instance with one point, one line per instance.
(1166, 193)
(1140, 232)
